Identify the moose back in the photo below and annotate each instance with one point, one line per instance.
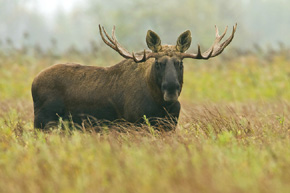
(144, 84)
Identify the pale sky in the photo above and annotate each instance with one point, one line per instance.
(49, 7)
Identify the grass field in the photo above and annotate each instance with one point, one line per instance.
(233, 134)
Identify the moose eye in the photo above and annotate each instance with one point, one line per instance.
(179, 64)
(158, 65)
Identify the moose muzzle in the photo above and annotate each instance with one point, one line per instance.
(170, 91)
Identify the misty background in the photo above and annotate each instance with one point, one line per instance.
(73, 24)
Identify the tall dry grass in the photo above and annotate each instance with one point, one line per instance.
(233, 134)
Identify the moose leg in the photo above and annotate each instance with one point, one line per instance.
(47, 114)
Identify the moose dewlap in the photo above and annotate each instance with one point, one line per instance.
(147, 83)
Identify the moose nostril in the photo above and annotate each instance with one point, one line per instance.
(170, 86)
(164, 86)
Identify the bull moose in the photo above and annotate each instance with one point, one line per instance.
(147, 83)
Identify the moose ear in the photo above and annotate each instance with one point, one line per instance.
(153, 41)
(183, 41)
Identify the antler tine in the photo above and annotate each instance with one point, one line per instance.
(115, 45)
(139, 60)
(217, 40)
(217, 33)
(198, 51)
(113, 34)
(231, 37)
(104, 39)
(216, 48)
(226, 42)
(199, 55)
(222, 46)
(118, 45)
(206, 55)
(113, 42)
(209, 55)
(107, 35)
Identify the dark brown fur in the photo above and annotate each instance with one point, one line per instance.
(125, 91)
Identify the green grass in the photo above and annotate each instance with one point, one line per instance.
(243, 79)
(233, 136)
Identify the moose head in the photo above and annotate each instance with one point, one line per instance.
(168, 64)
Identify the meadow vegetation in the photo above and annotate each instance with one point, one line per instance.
(233, 134)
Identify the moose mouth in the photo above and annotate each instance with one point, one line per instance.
(170, 96)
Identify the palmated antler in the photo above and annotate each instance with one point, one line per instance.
(216, 47)
(115, 45)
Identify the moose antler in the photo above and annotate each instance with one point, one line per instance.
(216, 47)
(115, 45)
